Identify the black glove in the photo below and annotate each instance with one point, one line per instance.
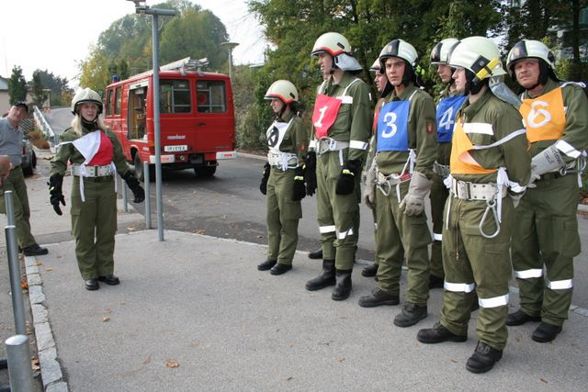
(299, 190)
(134, 186)
(310, 173)
(346, 180)
(55, 194)
(264, 178)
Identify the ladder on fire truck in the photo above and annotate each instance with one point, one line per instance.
(186, 64)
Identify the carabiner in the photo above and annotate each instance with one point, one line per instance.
(490, 205)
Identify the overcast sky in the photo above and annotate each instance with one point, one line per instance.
(28, 42)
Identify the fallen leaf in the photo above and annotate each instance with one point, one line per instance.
(543, 380)
(48, 269)
(172, 363)
(453, 360)
(24, 283)
(105, 319)
(290, 378)
(147, 360)
(35, 364)
(340, 359)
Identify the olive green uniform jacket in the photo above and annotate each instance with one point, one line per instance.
(93, 220)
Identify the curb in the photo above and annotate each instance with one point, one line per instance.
(252, 156)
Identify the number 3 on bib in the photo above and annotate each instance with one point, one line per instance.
(391, 128)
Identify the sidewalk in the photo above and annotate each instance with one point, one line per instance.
(192, 313)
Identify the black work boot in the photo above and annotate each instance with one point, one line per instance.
(546, 332)
(370, 271)
(343, 285)
(111, 279)
(266, 265)
(377, 298)
(280, 269)
(326, 277)
(91, 284)
(316, 255)
(435, 282)
(34, 250)
(410, 315)
(483, 358)
(519, 318)
(439, 334)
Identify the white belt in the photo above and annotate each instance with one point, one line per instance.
(282, 160)
(330, 144)
(92, 171)
(471, 191)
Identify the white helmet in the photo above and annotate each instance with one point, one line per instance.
(284, 90)
(401, 49)
(441, 51)
(331, 43)
(86, 95)
(376, 66)
(479, 55)
(528, 48)
(338, 47)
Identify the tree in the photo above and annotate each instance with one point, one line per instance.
(39, 96)
(17, 86)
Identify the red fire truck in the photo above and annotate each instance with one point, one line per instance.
(197, 121)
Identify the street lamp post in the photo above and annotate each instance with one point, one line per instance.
(230, 46)
(142, 8)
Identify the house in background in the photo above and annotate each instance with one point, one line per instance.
(4, 97)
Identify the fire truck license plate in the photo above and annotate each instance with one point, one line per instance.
(178, 148)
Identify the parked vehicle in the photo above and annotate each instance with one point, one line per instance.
(197, 121)
(29, 159)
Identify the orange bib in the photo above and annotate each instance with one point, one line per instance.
(461, 161)
(544, 116)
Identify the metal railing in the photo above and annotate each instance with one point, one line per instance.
(45, 127)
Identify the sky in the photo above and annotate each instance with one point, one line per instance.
(26, 41)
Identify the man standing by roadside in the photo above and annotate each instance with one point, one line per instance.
(11, 137)
(341, 124)
(488, 157)
(405, 148)
(545, 233)
(449, 103)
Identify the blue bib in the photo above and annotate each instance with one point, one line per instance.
(447, 110)
(393, 126)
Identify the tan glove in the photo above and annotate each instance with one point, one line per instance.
(414, 201)
(369, 188)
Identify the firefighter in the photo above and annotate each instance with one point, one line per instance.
(447, 107)
(96, 156)
(405, 146)
(283, 177)
(489, 160)
(545, 234)
(368, 179)
(341, 124)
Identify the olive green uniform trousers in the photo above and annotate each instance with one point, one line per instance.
(20, 201)
(439, 194)
(283, 215)
(94, 225)
(546, 234)
(338, 215)
(474, 262)
(401, 236)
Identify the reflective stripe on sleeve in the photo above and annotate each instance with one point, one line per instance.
(528, 274)
(437, 237)
(560, 284)
(327, 229)
(313, 144)
(493, 302)
(358, 145)
(459, 287)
